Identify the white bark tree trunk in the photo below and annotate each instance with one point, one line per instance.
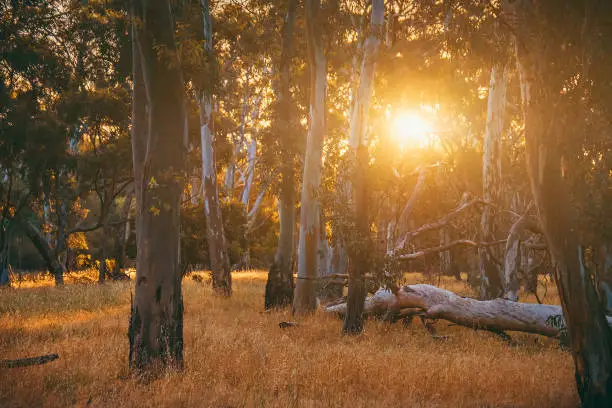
(490, 273)
(304, 300)
(217, 248)
(436, 303)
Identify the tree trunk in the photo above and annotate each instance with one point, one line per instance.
(490, 274)
(123, 235)
(360, 253)
(304, 300)
(5, 279)
(156, 322)
(103, 269)
(589, 334)
(604, 276)
(432, 302)
(215, 234)
(251, 157)
(512, 261)
(39, 240)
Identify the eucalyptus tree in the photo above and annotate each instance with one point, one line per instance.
(304, 300)
(552, 45)
(279, 286)
(359, 253)
(159, 140)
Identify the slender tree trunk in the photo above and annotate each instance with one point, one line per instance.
(103, 269)
(604, 276)
(123, 235)
(490, 274)
(589, 333)
(279, 287)
(5, 279)
(215, 234)
(512, 261)
(360, 255)
(156, 322)
(304, 300)
(251, 157)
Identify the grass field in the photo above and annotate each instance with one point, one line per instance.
(237, 356)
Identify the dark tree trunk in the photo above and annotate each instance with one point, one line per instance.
(360, 251)
(589, 334)
(122, 237)
(359, 256)
(5, 279)
(55, 267)
(279, 287)
(604, 276)
(103, 269)
(156, 322)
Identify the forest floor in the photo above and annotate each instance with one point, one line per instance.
(237, 356)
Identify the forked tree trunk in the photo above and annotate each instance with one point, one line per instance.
(215, 234)
(360, 254)
(589, 333)
(156, 322)
(304, 300)
(490, 274)
(279, 287)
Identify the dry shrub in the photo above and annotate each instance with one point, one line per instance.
(237, 356)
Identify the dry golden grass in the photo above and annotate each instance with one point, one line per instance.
(237, 356)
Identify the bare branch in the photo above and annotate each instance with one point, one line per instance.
(464, 242)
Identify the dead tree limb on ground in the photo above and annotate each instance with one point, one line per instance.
(435, 303)
(25, 362)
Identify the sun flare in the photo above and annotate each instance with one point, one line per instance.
(409, 129)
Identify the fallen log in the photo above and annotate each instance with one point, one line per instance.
(25, 362)
(496, 315)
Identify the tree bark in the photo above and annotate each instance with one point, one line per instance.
(55, 267)
(304, 300)
(512, 260)
(156, 322)
(360, 252)
(123, 235)
(432, 302)
(604, 276)
(589, 334)
(490, 274)
(215, 234)
(5, 279)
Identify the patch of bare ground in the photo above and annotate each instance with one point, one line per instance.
(237, 356)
